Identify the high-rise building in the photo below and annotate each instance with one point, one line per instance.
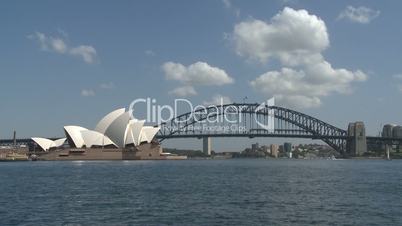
(397, 132)
(386, 130)
(265, 149)
(287, 147)
(281, 148)
(274, 150)
(255, 147)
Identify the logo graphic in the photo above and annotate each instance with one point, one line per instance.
(214, 118)
(263, 108)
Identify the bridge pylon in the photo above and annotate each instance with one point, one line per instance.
(206, 145)
(357, 144)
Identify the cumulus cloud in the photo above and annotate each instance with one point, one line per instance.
(362, 14)
(87, 53)
(197, 74)
(183, 91)
(48, 43)
(90, 92)
(87, 93)
(218, 100)
(290, 35)
(303, 88)
(58, 45)
(297, 39)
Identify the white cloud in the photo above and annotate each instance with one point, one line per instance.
(183, 91)
(109, 85)
(58, 45)
(297, 39)
(218, 100)
(48, 43)
(87, 93)
(304, 88)
(290, 34)
(199, 73)
(88, 53)
(362, 14)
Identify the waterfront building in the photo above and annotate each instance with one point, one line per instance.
(117, 130)
(386, 130)
(255, 147)
(287, 147)
(274, 150)
(265, 149)
(397, 132)
(281, 148)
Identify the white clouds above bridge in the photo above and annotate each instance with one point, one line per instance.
(296, 39)
(197, 74)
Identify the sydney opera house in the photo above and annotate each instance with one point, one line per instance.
(116, 136)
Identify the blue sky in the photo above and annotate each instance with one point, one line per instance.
(114, 52)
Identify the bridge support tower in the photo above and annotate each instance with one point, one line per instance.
(387, 150)
(357, 145)
(206, 145)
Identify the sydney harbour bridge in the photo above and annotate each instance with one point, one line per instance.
(255, 120)
(252, 119)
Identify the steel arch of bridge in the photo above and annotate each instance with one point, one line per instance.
(288, 123)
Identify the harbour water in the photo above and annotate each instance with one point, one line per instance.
(202, 192)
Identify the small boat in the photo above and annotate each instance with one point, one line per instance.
(33, 157)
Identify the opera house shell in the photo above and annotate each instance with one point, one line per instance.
(47, 144)
(117, 129)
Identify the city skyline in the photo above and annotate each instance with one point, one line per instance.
(71, 67)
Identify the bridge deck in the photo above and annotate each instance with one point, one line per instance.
(373, 139)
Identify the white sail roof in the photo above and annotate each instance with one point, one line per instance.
(117, 130)
(60, 142)
(94, 138)
(74, 132)
(105, 122)
(134, 131)
(148, 133)
(46, 144)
